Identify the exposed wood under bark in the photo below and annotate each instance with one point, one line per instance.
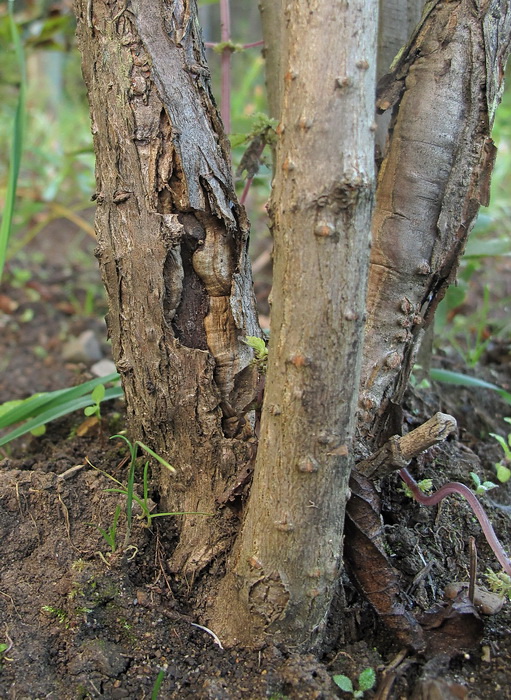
(172, 247)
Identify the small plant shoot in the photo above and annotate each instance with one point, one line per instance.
(97, 395)
(425, 485)
(260, 349)
(503, 466)
(110, 535)
(481, 487)
(499, 583)
(365, 682)
(144, 502)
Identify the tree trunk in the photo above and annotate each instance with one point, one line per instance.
(288, 557)
(172, 247)
(444, 90)
(275, 41)
(397, 20)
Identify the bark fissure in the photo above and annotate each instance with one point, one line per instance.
(172, 247)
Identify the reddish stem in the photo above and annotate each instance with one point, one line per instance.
(462, 490)
(243, 197)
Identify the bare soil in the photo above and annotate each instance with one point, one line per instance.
(80, 621)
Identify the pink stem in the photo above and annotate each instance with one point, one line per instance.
(462, 490)
(225, 64)
(244, 194)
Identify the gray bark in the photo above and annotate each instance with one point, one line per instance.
(288, 557)
(172, 247)
(444, 91)
(397, 20)
(275, 38)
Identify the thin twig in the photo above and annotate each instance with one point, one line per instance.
(473, 569)
(253, 44)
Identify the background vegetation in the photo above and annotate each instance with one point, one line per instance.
(56, 178)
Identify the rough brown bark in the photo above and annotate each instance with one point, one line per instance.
(444, 91)
(172, 247)
(289, 554)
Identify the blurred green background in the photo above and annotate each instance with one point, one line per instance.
(56, 178)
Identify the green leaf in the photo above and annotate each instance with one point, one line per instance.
(482, 487)
(39, 403)
(16, 143)
(256, 343)
(367, 679)
(503, 473)
(489, 485)
(425, 485)
(9, 405)
(90, 410)
(57, 411)
(98, 393)
(344, 683)
(37, 432)
(504, 444)
(238, 139)
(258, 346)
(161, 673)
(162, 461)
(448, 377)
(475, 478)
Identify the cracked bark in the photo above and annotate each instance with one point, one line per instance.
(172, 248)
(444, 91)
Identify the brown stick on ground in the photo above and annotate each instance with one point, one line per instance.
(397, 452)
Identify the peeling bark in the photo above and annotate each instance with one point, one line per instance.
(397, 19)
(444, 91)
(172, 248)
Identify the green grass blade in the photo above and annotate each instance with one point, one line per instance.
(156, 456)
(16, 144)
(32, 407)
(57, 411)
(129, 497)
(157, 684)
(447, 377)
